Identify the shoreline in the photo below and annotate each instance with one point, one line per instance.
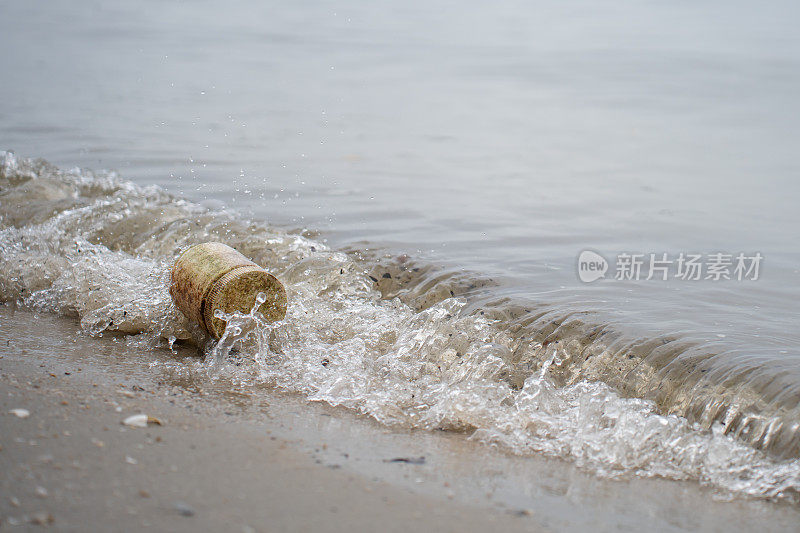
(259, 459)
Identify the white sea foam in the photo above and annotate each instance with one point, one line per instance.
(439, 370)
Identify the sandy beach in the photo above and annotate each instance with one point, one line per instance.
(232, 459)
(230, 467)
(519, 266)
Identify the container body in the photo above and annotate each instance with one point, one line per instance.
(212, 276)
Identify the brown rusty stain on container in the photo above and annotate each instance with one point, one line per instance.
(212, 276)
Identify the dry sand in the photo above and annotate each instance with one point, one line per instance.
(235, 459)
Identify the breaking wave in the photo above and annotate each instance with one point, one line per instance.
(408, 344)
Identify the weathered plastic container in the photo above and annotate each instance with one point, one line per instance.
(212, 276)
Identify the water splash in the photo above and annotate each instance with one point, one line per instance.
(409, 373)
(419, 356)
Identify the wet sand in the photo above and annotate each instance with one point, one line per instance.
(235, 459)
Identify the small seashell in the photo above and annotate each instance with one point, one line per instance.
(20, 413)
(137, 421)
(141, 421)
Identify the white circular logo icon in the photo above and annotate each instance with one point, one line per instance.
(591, 266)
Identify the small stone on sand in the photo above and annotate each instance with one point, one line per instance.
(42, 519)
(183, 508)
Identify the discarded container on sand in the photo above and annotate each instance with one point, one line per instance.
(212, 276)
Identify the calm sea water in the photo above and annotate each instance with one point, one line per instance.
(493, 141)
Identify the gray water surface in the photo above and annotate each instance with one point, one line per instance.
(500, 139)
